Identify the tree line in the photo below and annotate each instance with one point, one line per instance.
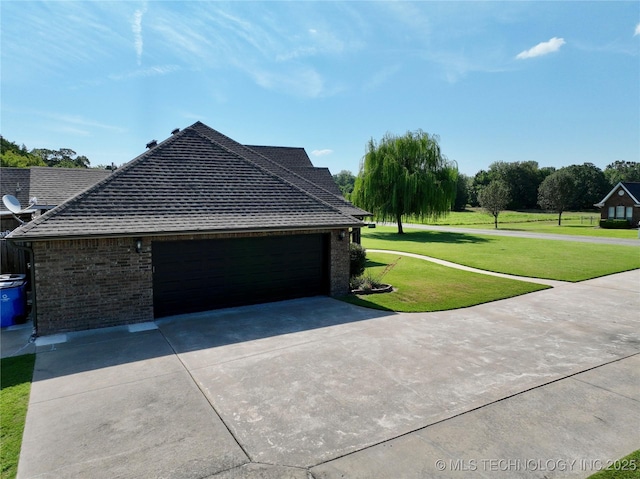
(12, 155)
(523, 180)
(408, 175)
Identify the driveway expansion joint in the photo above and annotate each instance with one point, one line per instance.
(199, 386)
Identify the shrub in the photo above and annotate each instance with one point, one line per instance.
(365, 282)
(615, 224)
(358, 259)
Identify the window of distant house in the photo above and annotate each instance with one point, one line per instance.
(620, 211)
(612, 212)
(629, 214)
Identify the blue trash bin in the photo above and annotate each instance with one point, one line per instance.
(13, 299)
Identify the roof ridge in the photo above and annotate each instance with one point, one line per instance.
(277, 165)
(270, 173)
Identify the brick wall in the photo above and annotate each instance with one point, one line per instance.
(339, 264)
(93, 283)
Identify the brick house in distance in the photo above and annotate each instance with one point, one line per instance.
(197, 222)
(622, 202)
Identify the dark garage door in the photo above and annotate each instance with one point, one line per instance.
(200, 275)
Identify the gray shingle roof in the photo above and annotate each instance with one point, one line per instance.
(275, 168)
(15, 182)
(633, 188)
(287, 156)
(195, 181)
(51, 186)
(297, 160)
(321, 177)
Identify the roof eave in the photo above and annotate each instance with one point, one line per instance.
(136, 234)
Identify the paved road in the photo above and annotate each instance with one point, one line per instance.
(542, 385)
(524, 234)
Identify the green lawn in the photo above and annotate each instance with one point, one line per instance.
(559, 260)
(420, 285)
(626, 468)
(15, 385)
(478, 216)
(573, 223)
(567, 228)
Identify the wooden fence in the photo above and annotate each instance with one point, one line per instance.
(12, 259)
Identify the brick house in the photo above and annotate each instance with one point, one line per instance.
(197, 222)
(622, 202)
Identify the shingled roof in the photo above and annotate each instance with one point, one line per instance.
(197, 180)
(287, 156)
(275, 168)
(297, 160)
(51, 186)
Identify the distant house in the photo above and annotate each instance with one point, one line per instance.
(40, 188)
(622, 202)
(197, 222)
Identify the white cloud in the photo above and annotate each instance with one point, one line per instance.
(637, 31)
(158, 70)
(324, 152)
(543, 48)
(303, 82)
(136, 27)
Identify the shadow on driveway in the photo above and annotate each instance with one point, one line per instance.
(83, 351)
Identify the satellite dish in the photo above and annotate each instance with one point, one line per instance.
(12, 203)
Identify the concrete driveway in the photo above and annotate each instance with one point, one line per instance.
(543, 385)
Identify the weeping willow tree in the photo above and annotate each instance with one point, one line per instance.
(405, 175)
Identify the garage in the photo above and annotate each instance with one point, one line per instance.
(200, 275)
(196, 222)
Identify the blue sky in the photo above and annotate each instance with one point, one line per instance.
(547, 81)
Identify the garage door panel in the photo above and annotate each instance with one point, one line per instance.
(199, 275)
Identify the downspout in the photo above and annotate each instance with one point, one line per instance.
(32, 279)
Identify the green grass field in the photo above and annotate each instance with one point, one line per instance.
(472, 216)
(573, 223)
(420, 286)
(559, 260)
(566, 229)
(15, 385)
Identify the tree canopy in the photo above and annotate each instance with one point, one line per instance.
(345, 181)
(405, 175)
(557, 191)
(462, 193)
(12, 155)
(494, 198)
(63, 158)
(622, 171)
(589, 186)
